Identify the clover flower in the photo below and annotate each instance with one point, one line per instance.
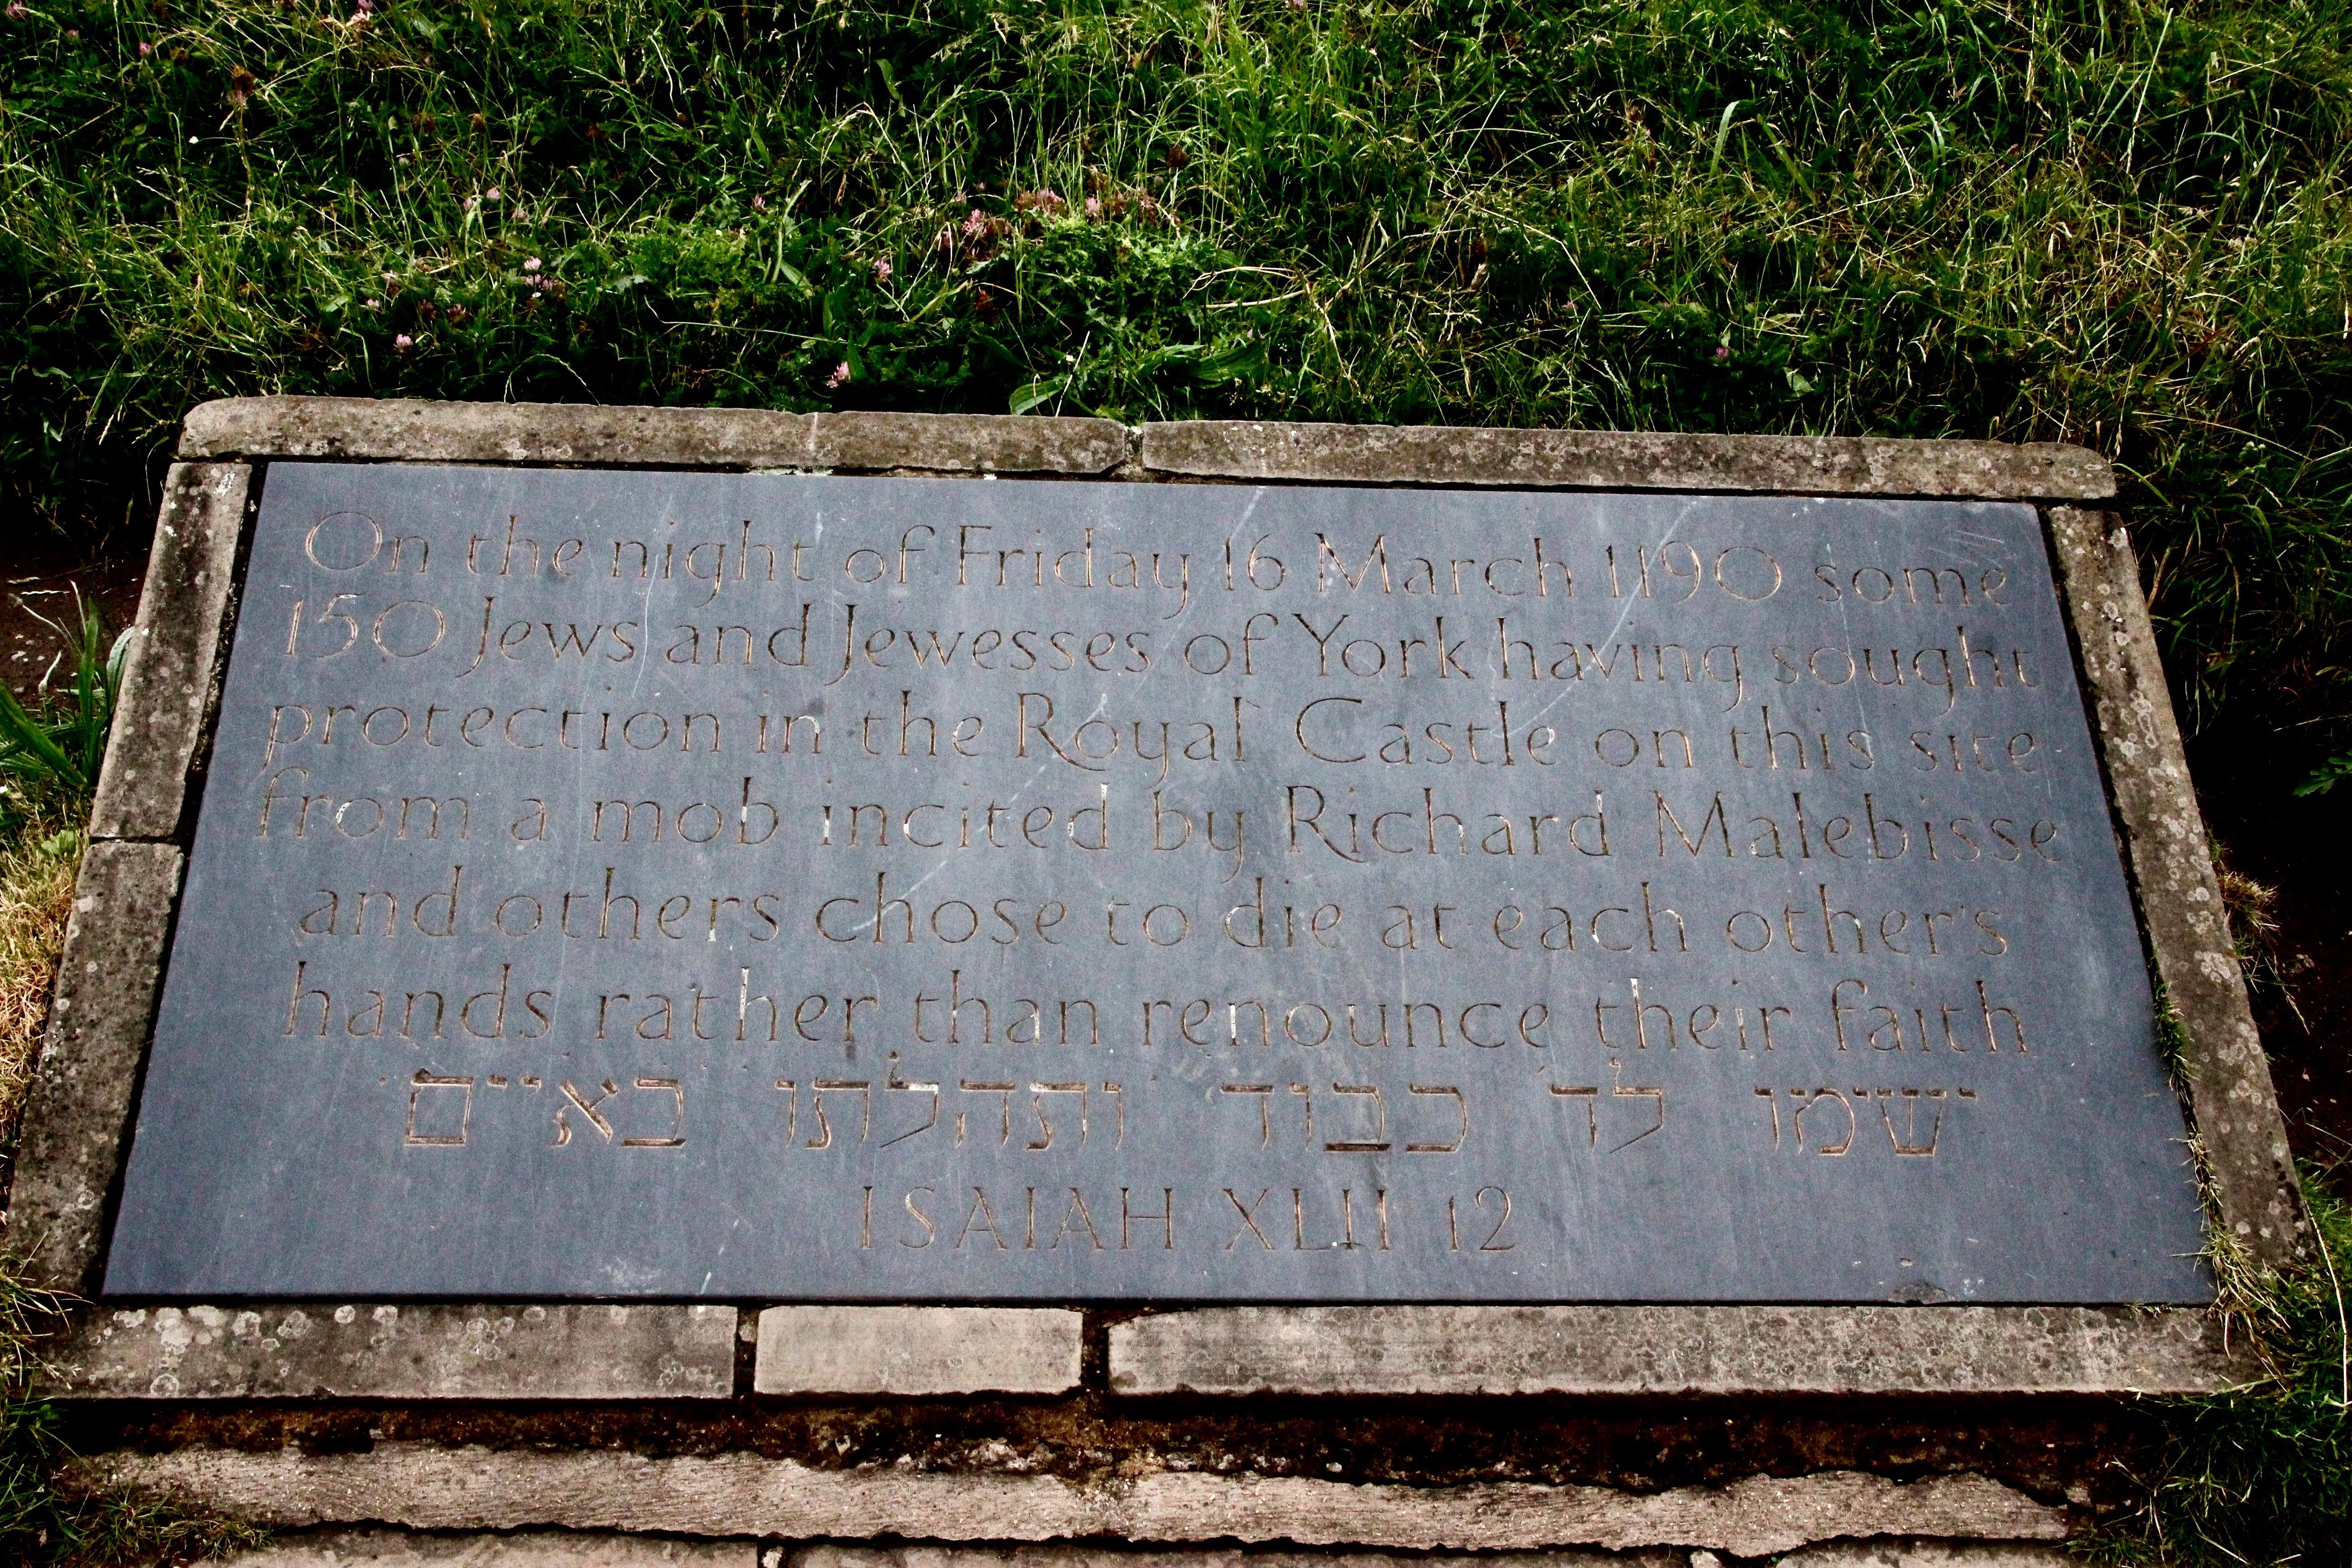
(402, 342)
(17, 10)
(533, 264)
(840, 374)
(759, 204)
(882, 270)
(145, 49)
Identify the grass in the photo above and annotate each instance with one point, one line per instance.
(2106, 221)
(2263, 1476)
(38, 854)
(49, 766)
(54, 754)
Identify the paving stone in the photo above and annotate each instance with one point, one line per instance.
(1930, 1554)
(830, 1554)
(318, 1349)
(917, 1350)
(429, 1487)
(412, 430)
(171, 666)
(77, 1108)
(1621, 459)
(535, 1548)
(2249, 1170)
(1672, 1349)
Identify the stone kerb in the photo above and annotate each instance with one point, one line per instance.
(358, 430)
(917, 1351)
(362, 429)
(1616, 459)
(77, 1108)
(533, 1549)
(834, 1555)
(425, 1486)
(530, 1549)
(80, 1107)
(176, 648)
(1671, 1351)
(282, 1351)
(2249, 1170)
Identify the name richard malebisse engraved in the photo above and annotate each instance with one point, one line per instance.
(669, 885)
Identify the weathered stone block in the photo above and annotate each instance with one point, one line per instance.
(2249, 1169)
(534, 1549)
(1671, 1351)
(78, 1109)
(171, 668)
(1928, 1554)
(318, 1349)
(746, 1494)
(834, 1555)
(917, 1350)
(967, 443)
(409, 430)
(1622, 460)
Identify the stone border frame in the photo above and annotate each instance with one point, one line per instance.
(80, 1106)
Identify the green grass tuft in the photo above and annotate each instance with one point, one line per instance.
(2264, 1475)
(2114, 223)
(55, 750)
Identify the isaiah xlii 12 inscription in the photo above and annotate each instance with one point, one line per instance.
(673, 885)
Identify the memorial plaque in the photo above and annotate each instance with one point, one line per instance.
(645, 885)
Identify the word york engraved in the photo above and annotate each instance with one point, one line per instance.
(652, 885)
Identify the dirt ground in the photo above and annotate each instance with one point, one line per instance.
(2298, 851)
(2294, 852)
(40, 613)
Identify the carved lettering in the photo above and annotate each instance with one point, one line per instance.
(1398, 871)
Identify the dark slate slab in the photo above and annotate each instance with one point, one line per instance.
(1756, 933)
